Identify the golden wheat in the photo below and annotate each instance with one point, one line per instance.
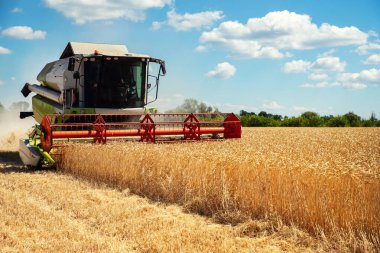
(316, 178)
(44, 211)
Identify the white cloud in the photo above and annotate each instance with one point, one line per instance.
(223, 71)
(24, 32)
(2, 82)
(297, 66)
(355, 86)
(373, 33)
(318, 76)
(355, 81)
(13, 78)
(365, 76)
(156, 25)
(373, 59)
(328, 64)
(323, 67)
(323, 84)
(83, 11)
(301, 108)
(16, 10)
(4, 50)
(188, 21)
(327, 53)
(322, 64)
(269, 35)
(200, 49)
(272, 105)
(364, 49)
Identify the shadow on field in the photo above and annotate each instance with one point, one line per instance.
(10, 162)
(10, 157)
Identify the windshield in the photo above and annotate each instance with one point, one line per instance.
(114, 82)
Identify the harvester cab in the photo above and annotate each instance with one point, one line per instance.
(101, 91)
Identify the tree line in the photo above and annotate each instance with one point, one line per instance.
(264, 119)
(306, 119)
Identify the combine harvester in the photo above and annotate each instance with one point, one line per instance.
(99, 92)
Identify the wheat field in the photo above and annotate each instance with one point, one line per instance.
(324, 180)
(46, 211)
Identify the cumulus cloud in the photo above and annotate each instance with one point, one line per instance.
(318, 76)
(268, 36)
(156, 25)
(355, 81)
(223, 71)
(373, 59)
(24, 33)
(83, 11)
(4, 50)
(365, 76)
(323, 84)
(189, 21)
(272, 105)
(364, 49)
(327, 53)
(320, 65)
(297, 66)
(328, 64)
(301, 108)
(328, 72)
(200, 49)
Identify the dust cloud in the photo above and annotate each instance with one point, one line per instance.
(12, 128)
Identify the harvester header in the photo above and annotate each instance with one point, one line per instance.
(100, 92)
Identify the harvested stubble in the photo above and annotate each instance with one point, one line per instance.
(316, 178)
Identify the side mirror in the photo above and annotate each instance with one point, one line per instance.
(162, 65)
(71, 65)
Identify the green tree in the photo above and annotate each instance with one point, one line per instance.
(259, 121)
(312, 119)
(373, 117)
(338, 121)
(309, 115)
(263, 114)
(353, 119)
(368, 123)
(294, 122)
(245, 113)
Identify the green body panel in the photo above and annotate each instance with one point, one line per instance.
(151, 110)
(42, 106)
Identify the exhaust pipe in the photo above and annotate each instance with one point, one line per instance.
(23, 115)
(42, 91)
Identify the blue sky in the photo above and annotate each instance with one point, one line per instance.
(280, 56)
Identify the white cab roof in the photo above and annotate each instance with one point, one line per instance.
(84, 48)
